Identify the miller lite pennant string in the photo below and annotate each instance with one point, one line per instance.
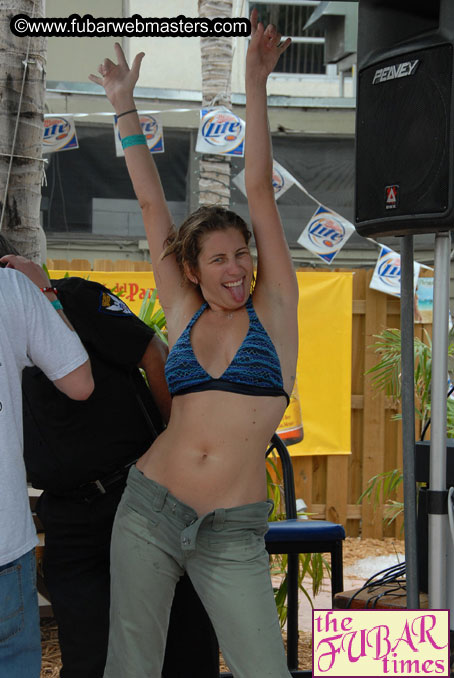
(59, 134)
(387, 272)
(326, 233)
(151, 128)
(109, 114)
(282, 180)
(221, 132)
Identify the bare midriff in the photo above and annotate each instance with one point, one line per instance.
(212, 454)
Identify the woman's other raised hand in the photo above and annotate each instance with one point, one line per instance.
(265, 48)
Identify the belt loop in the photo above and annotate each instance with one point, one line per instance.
(159, 498)
(218, 519)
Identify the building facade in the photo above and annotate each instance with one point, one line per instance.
(88, 207)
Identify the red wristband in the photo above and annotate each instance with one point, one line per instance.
(49, 289)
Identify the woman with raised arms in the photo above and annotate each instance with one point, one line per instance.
(196, 500)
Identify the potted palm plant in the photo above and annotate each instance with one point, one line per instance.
(386, 376)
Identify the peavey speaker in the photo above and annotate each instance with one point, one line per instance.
(405, 124)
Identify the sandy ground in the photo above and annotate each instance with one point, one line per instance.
(361, 557)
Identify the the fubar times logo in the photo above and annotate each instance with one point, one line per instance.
(383, 643)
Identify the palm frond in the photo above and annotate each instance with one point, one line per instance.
(152, 316)
(382, 486)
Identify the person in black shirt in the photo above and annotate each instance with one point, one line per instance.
(79, 453)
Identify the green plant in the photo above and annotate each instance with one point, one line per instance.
(387, 376)
(46, 271)
(152, 316)
(387, 373)
(382, 486)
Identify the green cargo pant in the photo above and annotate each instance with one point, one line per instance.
(155, 539)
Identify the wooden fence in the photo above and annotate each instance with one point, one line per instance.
(331, 485)
(98, 265)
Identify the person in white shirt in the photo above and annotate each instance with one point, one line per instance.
(33, 331)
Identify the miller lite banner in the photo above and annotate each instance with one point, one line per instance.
(387, 272)
(282, 180)
(326, 233)
(151, 128)
(221, 132)
(59, 133)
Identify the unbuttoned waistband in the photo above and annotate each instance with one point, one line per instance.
(149, 493)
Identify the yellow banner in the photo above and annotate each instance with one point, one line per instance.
(324, 361)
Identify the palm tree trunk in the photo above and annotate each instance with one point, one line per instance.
(216, 52)
(22, 93)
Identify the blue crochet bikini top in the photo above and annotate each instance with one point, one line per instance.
(254, 370)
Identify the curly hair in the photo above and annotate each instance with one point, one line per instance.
(186, 243)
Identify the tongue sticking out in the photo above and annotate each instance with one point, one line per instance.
(237, 292)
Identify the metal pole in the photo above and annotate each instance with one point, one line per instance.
(408, 419)
(437, 511)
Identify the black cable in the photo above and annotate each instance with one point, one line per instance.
(391, 574)
(51, 195)
(62, 193)
(388, 573)
(395, 592)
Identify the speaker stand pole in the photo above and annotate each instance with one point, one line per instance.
(437, 511)
(408, 419)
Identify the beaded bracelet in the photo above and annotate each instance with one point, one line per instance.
(56, 303)
(133, 110)
(134, 140)
(49, 289)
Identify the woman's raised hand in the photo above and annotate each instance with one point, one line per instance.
(265, 48)
(118, 80)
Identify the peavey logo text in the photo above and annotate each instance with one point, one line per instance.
(395, 71)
